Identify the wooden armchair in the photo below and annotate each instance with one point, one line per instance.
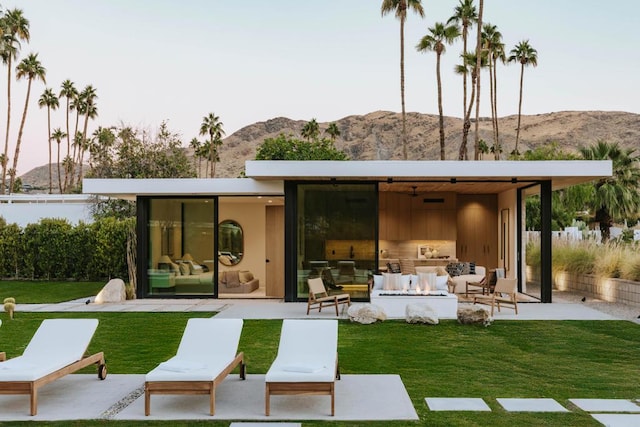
(505, 292)
(319, 297)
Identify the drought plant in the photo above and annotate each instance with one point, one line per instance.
(10, 306)
(630, 268)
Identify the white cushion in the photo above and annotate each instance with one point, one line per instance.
(378, 281)
(175, 364)
(392, 281)
(307, 369)
(441, 283)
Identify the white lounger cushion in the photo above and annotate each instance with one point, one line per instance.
(56, 344)
(206, 349)
(307, 352)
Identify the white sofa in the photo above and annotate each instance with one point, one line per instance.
(459, 283)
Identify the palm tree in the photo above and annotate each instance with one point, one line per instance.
(492, 41)
(30, 68)
(15, 28)
(525, 55)
(333, 131)
(468, 66)
(310, 130)
(479, 55)
(58, 134)
(212, 126)
(399, 7)
(50, 100)
(464, 15)
(89, 97)
(71, 93)
(195, 145)
(614, 197)
(435, 42)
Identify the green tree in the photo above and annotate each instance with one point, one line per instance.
(14, 29)
(333, 131)
(290, 148)
(212, 126)
(71, 93)
(311, 130)
(614, 197)
(440, 36)
(196, 145)
(480, 53)
(57, 135)
(465, 15)
(399, 8)
(29, 68)
(468, 66)
(525, 55)
(90, 111)
(492, 42)
(50, 100)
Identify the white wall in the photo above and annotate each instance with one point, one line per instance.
(24, 210)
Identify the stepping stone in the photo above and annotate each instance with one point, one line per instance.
(456, 404)
(605, 405)
(531, 405)
(618, 420)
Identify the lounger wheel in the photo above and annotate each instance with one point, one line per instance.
(102, 371)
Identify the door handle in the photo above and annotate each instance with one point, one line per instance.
(267, 260)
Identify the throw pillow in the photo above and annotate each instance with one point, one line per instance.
(441, 271)
(378, 280)
(246, 276)
(465, 268)
(394, 267)
(184, 269)
(392, 281)
(232, 278)
(441, 283)
(175, 268)
(454, 269)
(472, 268)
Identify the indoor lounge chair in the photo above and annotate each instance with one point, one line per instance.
(307, 360)
(319, 297)
(56, 349)
(205, 356)
(505, 292)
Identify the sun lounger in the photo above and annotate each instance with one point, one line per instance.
(307, 361)
(205, 356)
(56, 349)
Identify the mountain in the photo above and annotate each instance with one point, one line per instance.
(377, 136)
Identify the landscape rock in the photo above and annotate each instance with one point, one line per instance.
(421, 313)
(473, 315)
(113, 291)
(366, 313)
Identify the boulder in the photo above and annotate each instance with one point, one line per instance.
(421, 313)
(113, 291)
(473, 314)
(366, 313)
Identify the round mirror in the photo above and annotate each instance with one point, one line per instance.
(230, 242)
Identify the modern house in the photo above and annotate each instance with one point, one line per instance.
(264, 235)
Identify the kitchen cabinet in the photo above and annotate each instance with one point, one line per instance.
(477, 229)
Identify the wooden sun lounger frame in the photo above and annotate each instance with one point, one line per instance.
(301, 388)
(31, 387)
(193, 387)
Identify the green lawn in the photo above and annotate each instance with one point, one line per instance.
(36, 292)
(554, 359)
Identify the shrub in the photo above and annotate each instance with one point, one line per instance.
(630, 269)
(610, 260)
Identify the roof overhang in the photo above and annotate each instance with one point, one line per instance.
(129, 189)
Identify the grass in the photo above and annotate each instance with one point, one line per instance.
(35, 292)
(554, 359)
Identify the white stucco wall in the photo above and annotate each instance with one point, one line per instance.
(24, 210)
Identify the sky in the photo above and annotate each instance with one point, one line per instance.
(253, 60)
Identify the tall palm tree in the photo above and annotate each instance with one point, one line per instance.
(57, 135)
(440, 35)
(71, 93)
(195, 145)
(614, 197)
(29, 68)
(399, 7)
(50, 100)
(525, 55)
(479, 55)
(492, 41)
(15, 28)
(465, 15)
(89, 97)
(212, 126)
(310, 130)
(333, 131)
(468, 66)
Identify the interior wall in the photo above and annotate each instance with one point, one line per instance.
(252, 219)
(508, 200)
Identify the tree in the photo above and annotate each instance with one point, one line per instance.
(614, 197)
(71, 93)
(492, 41)
(468, 66)
(525, 55)
(290, 148)
(57, 135)
(15, 28)
(50, 100)
(89, 96)
(196, 145)
(311, 130)
(399, 7)
(29, 68)
(440, 35)
(332, 131)
(479, 55)
(212, 126)
(464, 15)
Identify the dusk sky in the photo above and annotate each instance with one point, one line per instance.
(253, 60)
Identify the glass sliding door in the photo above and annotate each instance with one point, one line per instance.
(336, 237)
(181, 235)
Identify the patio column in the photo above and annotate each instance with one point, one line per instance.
(545, 242)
